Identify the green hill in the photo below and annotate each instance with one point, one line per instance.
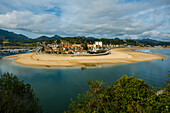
(11, 36)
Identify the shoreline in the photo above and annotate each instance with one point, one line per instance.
(117, 56)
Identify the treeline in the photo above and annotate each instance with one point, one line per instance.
(79, 40)
(116, 41)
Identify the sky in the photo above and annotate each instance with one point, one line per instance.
(126, 19)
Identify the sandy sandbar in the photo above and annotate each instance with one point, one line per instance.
(117, 56)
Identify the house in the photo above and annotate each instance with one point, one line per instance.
(121, 45)
(76, 45)
(89, 45)
(70, 52)
(48, 49)
(117, 46)
(55, 49)
(98, 45)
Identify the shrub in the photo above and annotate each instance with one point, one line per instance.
(17, 97)
(128, 94)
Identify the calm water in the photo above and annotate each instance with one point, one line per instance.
(55, 87)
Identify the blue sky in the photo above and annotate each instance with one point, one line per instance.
(134, 19)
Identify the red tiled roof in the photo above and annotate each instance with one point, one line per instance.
(69, 50)
(97, 46)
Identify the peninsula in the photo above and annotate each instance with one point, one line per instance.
(117, 56)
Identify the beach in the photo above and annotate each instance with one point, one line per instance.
(117, 56)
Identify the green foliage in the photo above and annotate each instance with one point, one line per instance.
(131, 42)
(128, 94)
(100, 51)
(17, 97)
(58, 42)
(49, 41)
(42, 50)
(97, 52)
(84, 45)
(51, 48)
(48, 52)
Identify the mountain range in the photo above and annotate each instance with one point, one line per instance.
(10, 35)
(19, 37)
(13, 36)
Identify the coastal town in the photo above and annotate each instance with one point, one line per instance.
(96, 48)
(77, 49)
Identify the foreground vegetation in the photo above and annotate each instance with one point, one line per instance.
(16, 96)
(128, 94)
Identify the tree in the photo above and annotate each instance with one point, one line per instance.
(43, 49)
(17, 97)
(131, 42)
(5, 42)
(84, 45)
(128, 94)
(58, 41)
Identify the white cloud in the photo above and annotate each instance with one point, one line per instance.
(102, 18)
(28, 21)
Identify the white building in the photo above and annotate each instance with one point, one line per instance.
(97, 45)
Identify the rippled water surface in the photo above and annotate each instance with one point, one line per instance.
(55, 87)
